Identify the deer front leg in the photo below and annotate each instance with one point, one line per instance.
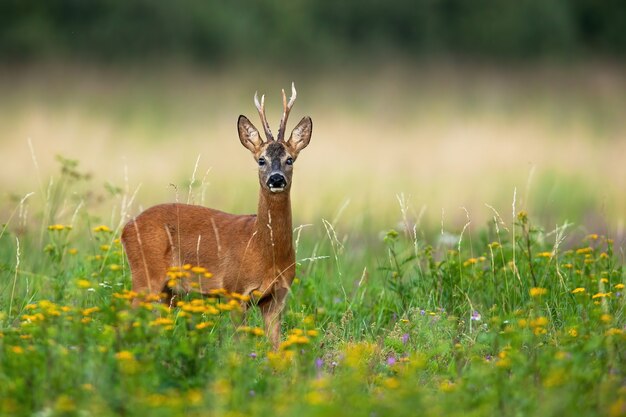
(272, 309)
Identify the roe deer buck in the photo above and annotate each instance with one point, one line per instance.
(245, 253)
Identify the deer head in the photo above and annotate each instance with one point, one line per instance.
(275, 157)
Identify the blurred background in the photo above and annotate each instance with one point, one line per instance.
(446, 110)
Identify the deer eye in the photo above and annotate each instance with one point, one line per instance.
(289, 161)
(261, 161)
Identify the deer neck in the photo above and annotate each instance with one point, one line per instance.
(274, 227)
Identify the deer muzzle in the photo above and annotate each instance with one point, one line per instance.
(277, 183)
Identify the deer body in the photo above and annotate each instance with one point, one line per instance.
(245, 253)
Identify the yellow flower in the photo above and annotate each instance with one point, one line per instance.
(59, 227)
(619, 286)
(64, 404)
(470, 261)
(198, 270)
(593, 236)
(315, 398)
(538, 291)
(83, 283)
(606, 318)
(124, 355)
(162, 321)
(257, 331)
(102, 228)
(578, 290)
(194, 396)
(601, 295)
(447, 386)
(573, 332)
(393, 383)
(18, 350)
(614, 332)
(204, 324)
(544, 255)
(114, 267)
(72, 251)
(583, 251)
(88, 311)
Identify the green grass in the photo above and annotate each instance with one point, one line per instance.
(486, 321)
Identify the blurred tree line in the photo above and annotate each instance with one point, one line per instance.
(304, 31)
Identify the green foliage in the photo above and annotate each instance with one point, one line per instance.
(308, 31)
(518, 321)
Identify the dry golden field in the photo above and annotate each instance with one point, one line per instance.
(445, 136)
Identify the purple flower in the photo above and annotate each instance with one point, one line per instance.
(405, 338)
(475, 316)
(423, 312)
(488, 358)
(391, 361)
(252, 355)
(319, 362)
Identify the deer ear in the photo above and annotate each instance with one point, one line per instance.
(248, 134)
(301, 135)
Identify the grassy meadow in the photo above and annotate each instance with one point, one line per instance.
(460, 237)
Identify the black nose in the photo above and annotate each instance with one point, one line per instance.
(277, 181)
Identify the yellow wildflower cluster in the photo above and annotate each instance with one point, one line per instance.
(601, 295)
(164, 322)
(298, 337)
(46, 309)
(125, 295)
(544, 255)
(538, 291)
(204, 325)
(176, 273)
(83, 283)
(473, 261)
(198, 306)
(279, 361)
(102, 229)
(124, 355)
(254, 331)
(538, 325)
(578, 290)
(614, 332)
(59, 227)
(503, 360)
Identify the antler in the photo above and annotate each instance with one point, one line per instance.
(261, 108)
(286, 109)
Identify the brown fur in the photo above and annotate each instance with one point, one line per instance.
(245, 253)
